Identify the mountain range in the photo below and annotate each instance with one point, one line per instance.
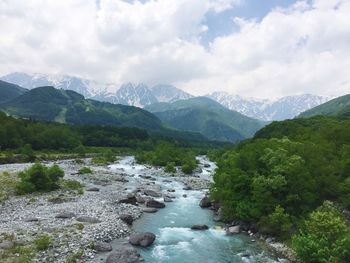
(269, 109)
(339, 107)
(141, 95)
(208, 117)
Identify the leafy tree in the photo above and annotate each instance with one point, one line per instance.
(324, 238)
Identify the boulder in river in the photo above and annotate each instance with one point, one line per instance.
(152, 193)
(129, 199)
(150, 210)
(124, 254)
(102, 246)
(167, 199)
(205, 202)
(187, 188)
(199, 227)
(155, 204)
(233, 230)
(142, 239)
(126, 218)
(88, 219)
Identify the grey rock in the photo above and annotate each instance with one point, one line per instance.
(88, 219)
(142, 239)
(31, 219)
(187, 188)
(129, 199)
(152, 193)
(206, 165)
(154, 204)
(171, 190)
(124, 254)
(102, 246)
(93, 189)
(205, 202)
(167, 181)
(184, 196)
(126, 218)
(233, 230)
(65, 215)
(167, 199)
(199, 227)
(6, 244)
(150, 210)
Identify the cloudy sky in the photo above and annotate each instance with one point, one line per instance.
(259, 48)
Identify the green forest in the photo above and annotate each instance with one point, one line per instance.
(292, 180)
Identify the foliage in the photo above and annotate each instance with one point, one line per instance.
(278, 223)
(85, 170)
(170, 168)
(39, 178)
(283, 174)
(166, 154)
(70, 184)
(324, 238)
(43, 242)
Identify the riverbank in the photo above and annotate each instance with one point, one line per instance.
(77, 223)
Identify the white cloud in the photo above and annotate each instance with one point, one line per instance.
(304, 48)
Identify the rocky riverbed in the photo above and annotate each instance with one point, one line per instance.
(76, 222)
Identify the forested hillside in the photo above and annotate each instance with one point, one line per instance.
(283, 174)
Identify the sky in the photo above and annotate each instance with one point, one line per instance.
(255, 48)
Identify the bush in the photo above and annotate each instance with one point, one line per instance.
(73, 185)
(324, 238)
(278, 223)
(170, 168)
(28, 152)
(85, 170)
(188, 166)
(39, 178)
(43, 242)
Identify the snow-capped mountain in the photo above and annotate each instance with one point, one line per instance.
(139, 95)
(268, 110)
(169, 93)
(88, 88)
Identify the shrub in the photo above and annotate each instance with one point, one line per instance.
(170, 168)
(188, 166)
(43, 242)
(73, 185)
(39, 178)
(278, 224)
(85, 170)
(28, 152)
(324, 238)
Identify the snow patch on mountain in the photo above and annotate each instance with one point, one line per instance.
(264, 109)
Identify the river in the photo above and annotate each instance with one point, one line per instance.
(175, 241)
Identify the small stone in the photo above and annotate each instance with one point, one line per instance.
(187, 188)
(31, 219)
(102, 246)
(93, 189)
(88, 219)
(65, 215)
(152, 193)
(167, 199)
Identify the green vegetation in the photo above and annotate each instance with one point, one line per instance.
(85, 170)
(208, 117)
(170, 168)
(74, 257)
(337, 107)
(325, 237)
(74, 185)
(169, 155)
(39, 178)
(43, 242)
(8, 184)
(9, 91)
(278, 179)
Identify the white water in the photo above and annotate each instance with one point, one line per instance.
(175, 241)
